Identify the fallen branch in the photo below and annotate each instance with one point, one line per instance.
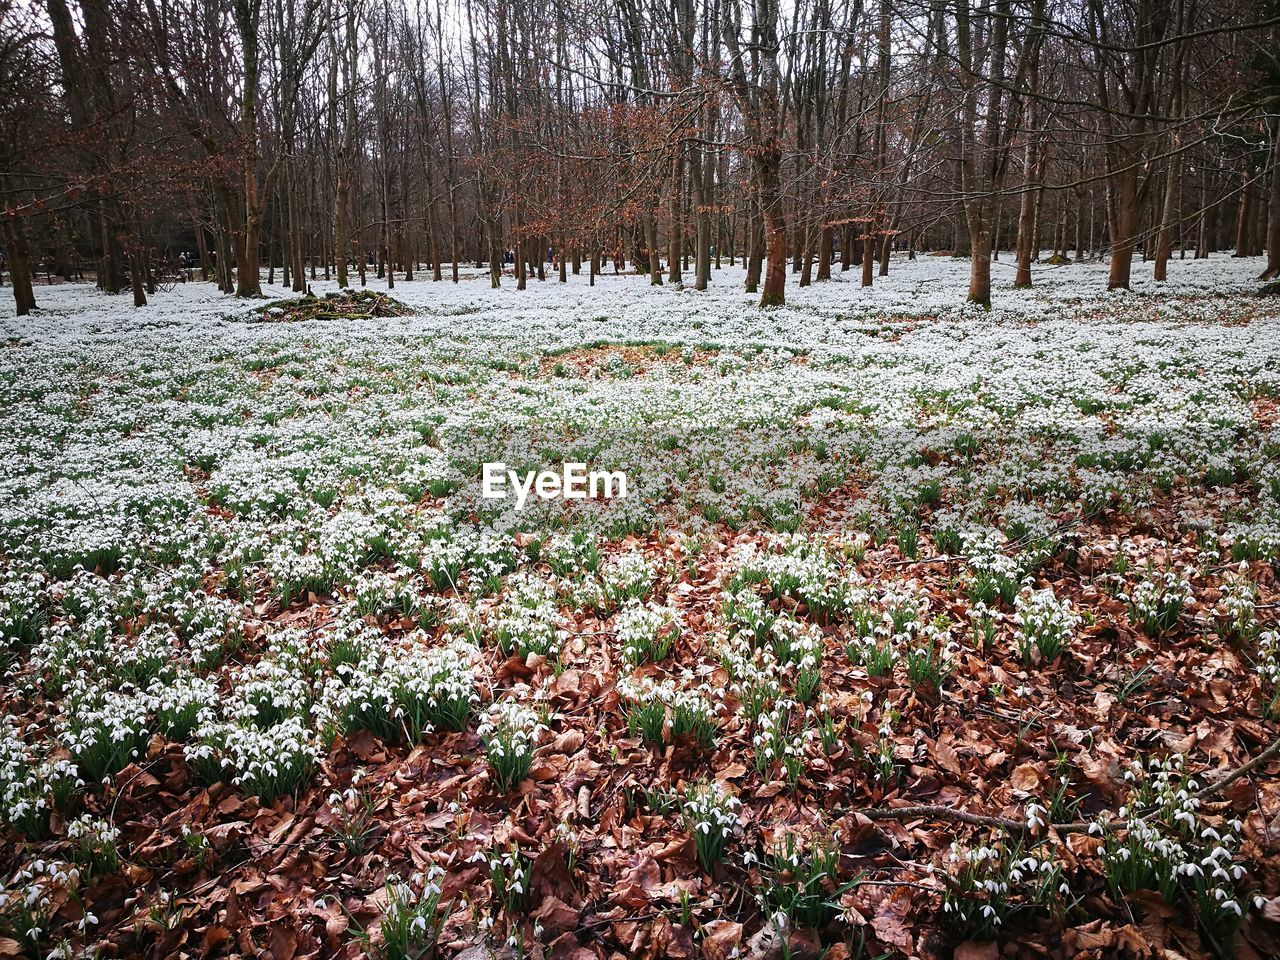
(1010, 825)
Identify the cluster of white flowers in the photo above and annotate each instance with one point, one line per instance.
(792, 565)
(31, 787)
(33, 894)
(884, 761)
(408, 688)
(646, 632)
(265, 762)
(413, 914)
(783, 737)
(510, 731)
(755, 676)
(443, 559)
(798, 647)
(1259, 537)
(574, 554)
(1045, 623)
(992, 574)
(103, 729)
(1156, 601)
(711, 815)
(744, 611)
(1171, 845)
(528, 618)
(902, 604)
(627, 576)
(280, 683)
(992, 882)
(1236, 606)
(23, 589)
(681, 707)
(381, 591)
(1268, 669)
(96, 840)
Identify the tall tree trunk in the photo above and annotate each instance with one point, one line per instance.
(15, 242)
(675, 238)
(1272, 270)
(1244, 216)
(651, 245)
(1124, 226)
(980, 266)
(755, 250)
(824, 253)
(768, 164)
(137, 274)
(202, 248)
(1026, 206)
(248, 280)
(1164, 241)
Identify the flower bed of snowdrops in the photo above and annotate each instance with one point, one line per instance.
(278, 678)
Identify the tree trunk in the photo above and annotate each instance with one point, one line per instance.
(755, 252)
(202, 251)
(769, 172)
(698, 175)
(1026, 214)
(775, 278)
(651, 245)
(137, 278)
(824, 253)
(1243, 216)
(1272, 271)
(675, 240)
(15, 241)
(980, 267)
(1164, 241)
(495, 255)
(1124, 226)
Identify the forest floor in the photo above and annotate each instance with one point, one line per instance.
(922, 631)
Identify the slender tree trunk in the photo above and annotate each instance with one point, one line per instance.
(139, 267)
(755, 251)
(1164, 241)
(1026, 210)
(1272, 270)
(675, 239)
(202, 249)
(1243, 215)
(495, 255)
(651, 244)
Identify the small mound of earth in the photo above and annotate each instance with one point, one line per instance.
(343, 305)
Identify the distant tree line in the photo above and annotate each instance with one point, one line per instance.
(348, 138)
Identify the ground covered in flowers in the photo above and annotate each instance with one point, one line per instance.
(922, 631)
